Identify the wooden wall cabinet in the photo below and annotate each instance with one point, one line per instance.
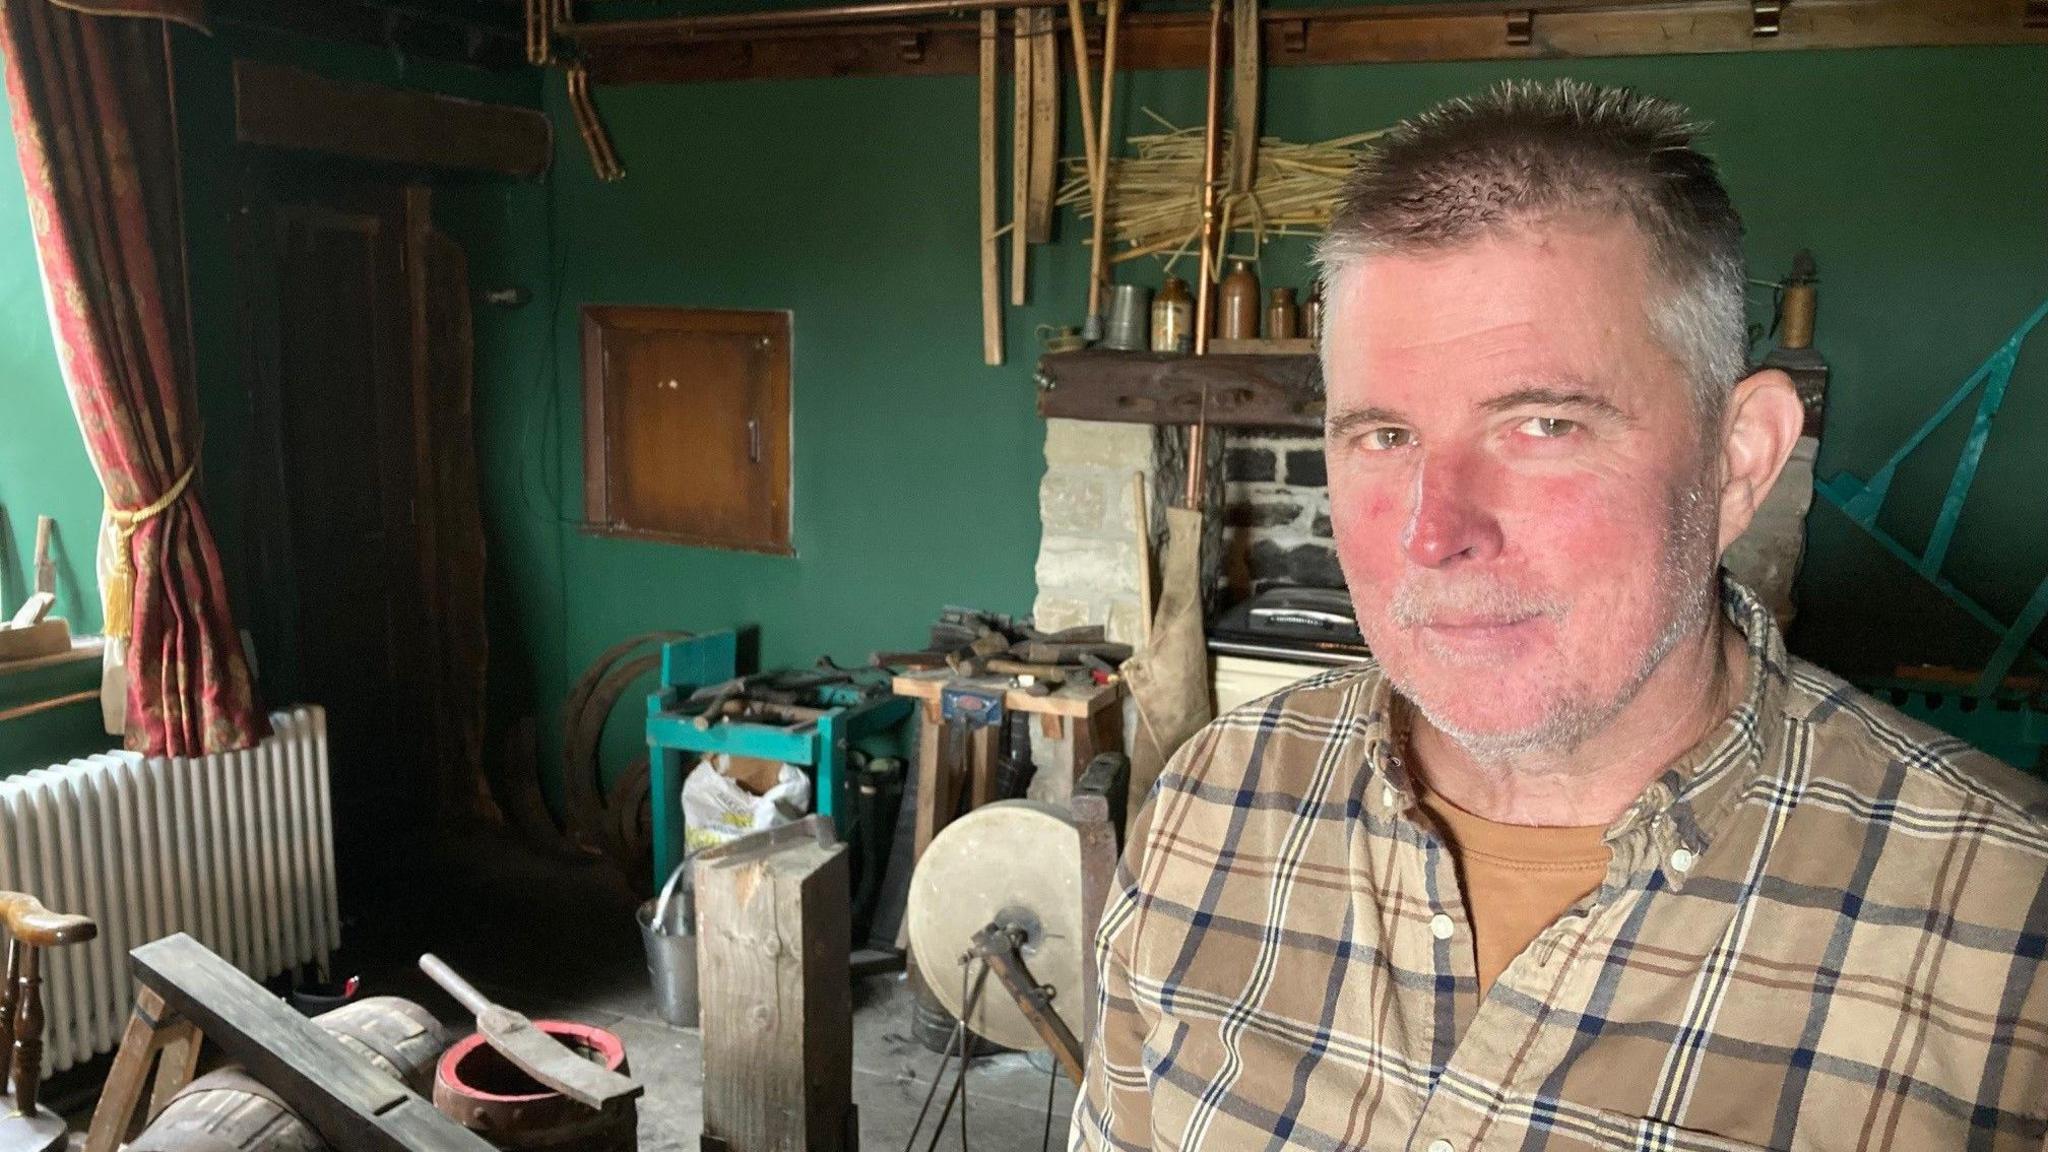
(686, 426)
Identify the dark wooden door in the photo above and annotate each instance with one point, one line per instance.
(328, 311)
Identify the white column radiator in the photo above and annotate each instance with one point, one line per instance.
(236, 849)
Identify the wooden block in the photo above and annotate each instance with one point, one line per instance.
(44, 638)
(33, 609)
(351, 1104)
(772, 981)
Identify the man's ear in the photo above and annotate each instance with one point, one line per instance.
(1759, 428)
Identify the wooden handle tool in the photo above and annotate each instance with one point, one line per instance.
(533, 1051)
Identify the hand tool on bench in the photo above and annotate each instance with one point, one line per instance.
(1036, 652)
(715, 698)
(1045, 673)
(924, 659)
(536, 1053)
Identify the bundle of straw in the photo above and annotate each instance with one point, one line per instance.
(1155, 197)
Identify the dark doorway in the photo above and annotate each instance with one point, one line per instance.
(341, 357)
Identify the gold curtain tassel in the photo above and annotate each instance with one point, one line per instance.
(118, 601)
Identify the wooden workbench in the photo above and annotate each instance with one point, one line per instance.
(1081, 720)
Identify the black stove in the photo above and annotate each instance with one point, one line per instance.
(1307, 625)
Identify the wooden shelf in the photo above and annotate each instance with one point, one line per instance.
(1258, 391)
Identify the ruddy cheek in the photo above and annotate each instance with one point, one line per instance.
(1592, 522)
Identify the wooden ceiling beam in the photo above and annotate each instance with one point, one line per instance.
(642, 53)
(277, 106)
(480, 41)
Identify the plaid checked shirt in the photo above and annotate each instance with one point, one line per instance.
(1823, 928)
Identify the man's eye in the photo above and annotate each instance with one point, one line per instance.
(1548, 427)
(1382, 439)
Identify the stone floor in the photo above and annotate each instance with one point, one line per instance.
(556, 938)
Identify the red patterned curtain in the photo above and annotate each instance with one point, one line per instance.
(94, 127)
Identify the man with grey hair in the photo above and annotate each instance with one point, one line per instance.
(1583, 860)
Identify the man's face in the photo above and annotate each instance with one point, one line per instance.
(1519, 488)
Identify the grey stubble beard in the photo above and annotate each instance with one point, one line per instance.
(1688, 593)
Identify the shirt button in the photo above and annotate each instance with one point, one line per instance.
(1387, 796)
(1439, 1146)
(1681, 860)
(1440, 926)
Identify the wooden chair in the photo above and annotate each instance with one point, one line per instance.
(29, 928)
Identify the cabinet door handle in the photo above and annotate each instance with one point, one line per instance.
(753, 441)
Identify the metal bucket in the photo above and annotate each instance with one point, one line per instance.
(668, 926)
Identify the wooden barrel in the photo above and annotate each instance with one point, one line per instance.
(228, 1111)
(401, 1038)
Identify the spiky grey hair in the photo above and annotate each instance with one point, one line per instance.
(1526, 151)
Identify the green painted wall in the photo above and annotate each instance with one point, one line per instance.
(43, 471)
(1919, 177)
(43, 466)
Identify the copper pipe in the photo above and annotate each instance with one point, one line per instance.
(684, 27)
(1205, 278)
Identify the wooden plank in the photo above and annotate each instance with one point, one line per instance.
(1165, 388)
(283, 107)
(1045, 127)
(1383, 33)
(991, 273)
(1021, 78)
(352, 1105)
(777, 1021)
(121, 1093)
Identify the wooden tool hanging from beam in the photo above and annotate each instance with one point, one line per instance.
(1022, 77)
(1244, 95)
(991, 271)
(1045, 126)
(1090, 147)
(1098, 261)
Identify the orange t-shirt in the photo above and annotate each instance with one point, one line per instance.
(1518, 879)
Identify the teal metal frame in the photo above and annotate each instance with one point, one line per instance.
(855, 717)
(1863, 502)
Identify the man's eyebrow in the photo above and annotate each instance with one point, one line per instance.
(1544, 397)
(1352, 419)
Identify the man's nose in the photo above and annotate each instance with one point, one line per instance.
(1451, 521)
